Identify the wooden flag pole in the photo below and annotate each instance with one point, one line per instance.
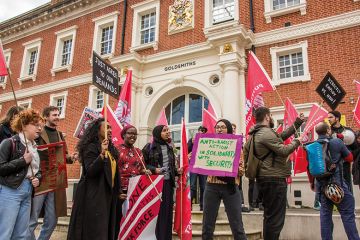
(12, 87)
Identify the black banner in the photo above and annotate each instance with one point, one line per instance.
(105, 77)
(331, 91)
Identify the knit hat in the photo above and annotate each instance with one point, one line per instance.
(228, 125)
(124, 130)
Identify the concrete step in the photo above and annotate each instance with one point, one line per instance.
(225, 235)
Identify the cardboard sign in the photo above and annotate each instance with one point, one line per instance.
(331, 91)
(87, 117)
(216, 154)
(105, 77)
(53, 167)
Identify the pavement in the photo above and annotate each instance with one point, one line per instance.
(56, 235)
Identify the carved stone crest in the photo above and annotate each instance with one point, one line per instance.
(181, 16)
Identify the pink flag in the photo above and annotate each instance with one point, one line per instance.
(317, 114)
(162, 120)
(357, 113)
(289, 118)
(116, 127)
(182, 220)
(357, 86)
(211, 110)
(258, 81)
(209, 121)
(123, 108)
(3, 68)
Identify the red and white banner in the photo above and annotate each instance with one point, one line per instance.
(357, 113)
(289, 118)
(357, 86)
(258, 81)
(317, 114)
(208, 121)
(182, 220)
(123, 108)
(211, 110)
(144, 205)
(3, 68)
(162, 120)
(116, 127)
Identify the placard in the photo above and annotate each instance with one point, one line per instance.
(105, 77)
(53, 167)
(216, 154)
(87, 117)
(331, 91)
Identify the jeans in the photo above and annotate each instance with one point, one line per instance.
(346, 209)
(193, 187)
(273, 191)
(230, 195)
(15, 206)
(50, 220)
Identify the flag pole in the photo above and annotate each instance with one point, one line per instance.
(12, 87)
(105, 117)
(152, 183)
(317, 110)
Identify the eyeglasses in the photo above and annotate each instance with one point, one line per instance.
(37, 125)
(223, 127)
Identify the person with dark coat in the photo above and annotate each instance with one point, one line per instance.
(160, 159)
(94, 210)
(5, 129)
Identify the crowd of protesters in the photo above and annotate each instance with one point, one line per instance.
(106, 169)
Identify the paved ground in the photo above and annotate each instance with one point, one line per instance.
(56, 235)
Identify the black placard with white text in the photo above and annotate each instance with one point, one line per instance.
(331, 91)
(105, 77)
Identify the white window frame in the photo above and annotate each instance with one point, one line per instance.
(7, 53)
(54, 97)
(270, 13)
(209, 16)
(275, 52)
(61, 37)
(29, 46)
(92, 98)
(25, 102)
(101, 22)
(141, 9)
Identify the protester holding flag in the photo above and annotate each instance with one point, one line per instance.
(226, 189)
(131, 164)
(271, 175)
(94, 209)
(160, 159)
(19, 175)
(5, 129)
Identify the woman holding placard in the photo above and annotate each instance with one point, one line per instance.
(226, 189)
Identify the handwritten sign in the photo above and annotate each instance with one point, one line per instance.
(87, 117)
(216, 154)
(53, 167)
(105, 77)
(331, 91)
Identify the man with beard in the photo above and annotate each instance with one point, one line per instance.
(53, 203)
(274, 168)
(337, 131)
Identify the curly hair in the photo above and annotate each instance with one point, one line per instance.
(91, 135)
(24, 118)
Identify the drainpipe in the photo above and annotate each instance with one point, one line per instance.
(123, 28)
(252, 25)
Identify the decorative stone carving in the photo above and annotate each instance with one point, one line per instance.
(181, 16)
(228, 48)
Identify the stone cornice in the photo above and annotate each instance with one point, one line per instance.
(333, 23)
(51, 18)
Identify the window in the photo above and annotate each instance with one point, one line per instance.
(146, 20)
(7, 55)
(30, 60)
(105, 34)
(25, 103)
(59, 100)
(64, 50)
(220, 12)
(223, 10)
(96, 99)
(274, 8)
(190, 108)
(290, 63)
(148, 27)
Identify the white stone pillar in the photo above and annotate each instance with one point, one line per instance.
(242, 99)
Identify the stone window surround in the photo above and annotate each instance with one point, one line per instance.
(209, 18)
(28, 46)
(65, 34)
(270, 13)
(54, 97)
(92, 98)
(25, 102)
(141, 9)
(275, 52)
(100, 23)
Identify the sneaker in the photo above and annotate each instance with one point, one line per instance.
(317, 206)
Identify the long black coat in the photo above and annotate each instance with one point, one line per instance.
(93, 213)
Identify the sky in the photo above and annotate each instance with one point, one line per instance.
(12, 8)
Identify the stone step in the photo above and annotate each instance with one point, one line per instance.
(225, 235)
(221, 225)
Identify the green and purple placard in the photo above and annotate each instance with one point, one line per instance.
(216, 154)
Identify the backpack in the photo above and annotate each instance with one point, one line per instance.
(319, 159)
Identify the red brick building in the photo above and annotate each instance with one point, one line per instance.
(183, 54)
